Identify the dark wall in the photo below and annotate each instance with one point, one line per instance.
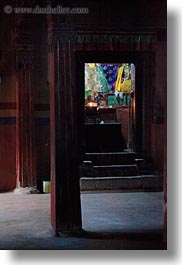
(127, 15)
(131, 13)
(7, 102)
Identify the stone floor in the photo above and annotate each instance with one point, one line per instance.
(112, 220)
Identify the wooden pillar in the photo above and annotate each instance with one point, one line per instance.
(25, 150)
(25, 128)
(65, 191)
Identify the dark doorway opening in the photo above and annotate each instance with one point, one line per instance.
(136, 58)
(109, 106)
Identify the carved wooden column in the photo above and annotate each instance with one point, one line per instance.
(65, 192)
(25, 119)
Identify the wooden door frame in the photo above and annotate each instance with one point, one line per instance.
(142, 145)
(67, 111)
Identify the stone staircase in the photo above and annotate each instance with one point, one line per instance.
(117, 171)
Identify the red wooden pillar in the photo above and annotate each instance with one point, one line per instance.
(65, 191)
(25, 149)
(25, 128)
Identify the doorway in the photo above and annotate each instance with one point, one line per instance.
(113, 106)
(103, 109)
(109, 107)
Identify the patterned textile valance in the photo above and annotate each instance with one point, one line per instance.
(131, 41)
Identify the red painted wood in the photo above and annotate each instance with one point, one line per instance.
(13, 106)
(7, 105)
(65, 195)
(7, 157)
(25, 129)
(122, 116)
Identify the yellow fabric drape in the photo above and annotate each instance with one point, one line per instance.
(125, 86)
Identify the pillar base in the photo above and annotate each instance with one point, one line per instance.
(27, 190)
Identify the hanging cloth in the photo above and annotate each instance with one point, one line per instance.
(123, 86)
(110, 72)
(92, 82)
(102, 79)
(119, 78)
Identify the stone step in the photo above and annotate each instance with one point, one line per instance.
(131, 183)
(115, 170)
(111, 158)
